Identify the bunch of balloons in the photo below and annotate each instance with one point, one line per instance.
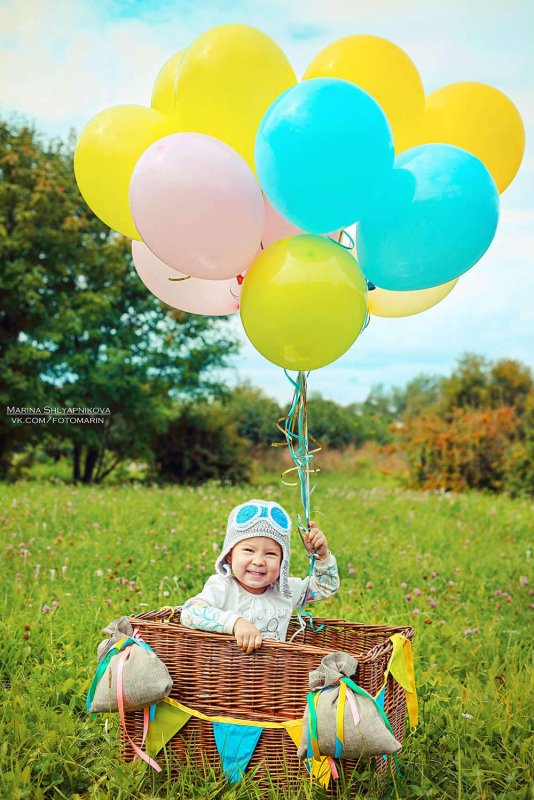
(237, 183)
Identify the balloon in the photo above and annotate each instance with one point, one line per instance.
(382, 69)
(480, 119)
(323, 154)
(163, 90)
(303, 302)
(194, 295)
(197, 206)
(228, 78)
(435, 220)
(106, 153)
(277, 227)
(384, 303)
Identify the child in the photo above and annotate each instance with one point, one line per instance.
(251, 595)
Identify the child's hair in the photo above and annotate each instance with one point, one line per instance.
(258, 518)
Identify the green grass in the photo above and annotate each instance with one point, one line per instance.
(92, 554)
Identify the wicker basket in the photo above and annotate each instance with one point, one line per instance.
(211, 675)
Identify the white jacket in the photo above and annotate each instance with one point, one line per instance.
(223, 600)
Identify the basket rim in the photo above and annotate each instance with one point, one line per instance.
(159, 619)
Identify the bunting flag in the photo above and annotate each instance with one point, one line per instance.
(321, 770)
(236, 745)
(167, 722)
(401, 667)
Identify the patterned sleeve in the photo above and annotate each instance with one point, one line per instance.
(324, 583)
(205, 611)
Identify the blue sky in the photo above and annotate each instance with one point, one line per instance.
(62, 61)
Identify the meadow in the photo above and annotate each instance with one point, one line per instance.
(456, 567)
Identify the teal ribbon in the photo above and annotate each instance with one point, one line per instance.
(339, 241)
(296, 433)
(297, 441)
(310, 620)
(104, 663)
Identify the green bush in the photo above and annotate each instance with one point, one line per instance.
(333, 425)
(254, 415)
(202, 444)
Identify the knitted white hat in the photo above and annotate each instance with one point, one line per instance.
(258, 518)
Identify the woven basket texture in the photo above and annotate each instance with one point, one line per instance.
(210, 674)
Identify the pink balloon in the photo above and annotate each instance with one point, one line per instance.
(197, 206)
(194, 295)
(278, 227)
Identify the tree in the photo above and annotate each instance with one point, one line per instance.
(23, 171)
(511, 384)
(421, 395)
(79, 329)
(333, 425)
(471, 450)
(202, 444)
(478, 383)
(254, 415)
(468, 386)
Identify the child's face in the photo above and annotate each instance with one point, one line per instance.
(256, 563)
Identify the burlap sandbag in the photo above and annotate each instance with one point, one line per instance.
(369, 738)
(146, 679)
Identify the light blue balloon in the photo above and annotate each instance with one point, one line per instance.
(324, 152)
(435, 220)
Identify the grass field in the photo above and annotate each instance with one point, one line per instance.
(456, 567)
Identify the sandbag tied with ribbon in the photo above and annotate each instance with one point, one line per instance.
(129, 676)
(341, 719)
(125, 659)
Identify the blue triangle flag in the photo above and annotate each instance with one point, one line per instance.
(236, 745)
(381, 697)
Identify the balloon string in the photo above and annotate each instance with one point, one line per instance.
(294, 426)
(339, 241)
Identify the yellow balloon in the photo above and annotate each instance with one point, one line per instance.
(163, 90)
(385, 71)
(384, 303)
(105, 156)
(480, 119)
(228, 78)
(303, 302)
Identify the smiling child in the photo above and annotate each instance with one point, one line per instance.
(251, 595)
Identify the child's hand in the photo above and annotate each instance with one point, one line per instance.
(316, 540)
(247, 636)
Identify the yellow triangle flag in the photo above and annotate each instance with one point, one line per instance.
(320, 769)
(167, 723)
(401, 667)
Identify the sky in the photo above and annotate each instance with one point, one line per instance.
(62, 61)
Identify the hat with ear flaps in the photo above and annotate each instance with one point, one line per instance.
(258, 518)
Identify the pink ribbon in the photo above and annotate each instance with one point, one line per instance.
(123, 658)
(333, 768)
(353, 706)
